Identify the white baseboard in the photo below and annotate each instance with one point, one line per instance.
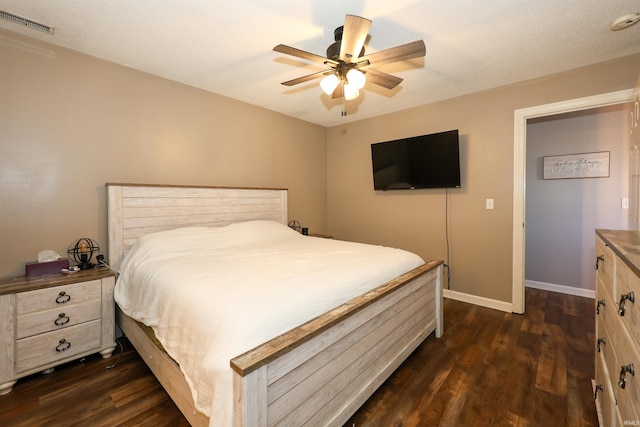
(481, 301)
(507, 306)
(570, 290)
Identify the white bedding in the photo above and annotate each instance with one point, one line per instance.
(211, 294)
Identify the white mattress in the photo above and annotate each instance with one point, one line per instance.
(211, 294)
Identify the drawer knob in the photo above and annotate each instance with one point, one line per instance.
(63, 345)
(600, 342)
(598, 259)
(63, 297)
(600, 303)
(623, 299)
(62, 319)
(597, 389)
(623, 374)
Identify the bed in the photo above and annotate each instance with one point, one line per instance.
(315, 373)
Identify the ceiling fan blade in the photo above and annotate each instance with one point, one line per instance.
(354, 34)
(288, 50)
(403, 52)
(306, 78)
(339, 91)
(382, 79)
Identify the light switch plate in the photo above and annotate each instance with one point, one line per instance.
(625, 203)
(489, 204)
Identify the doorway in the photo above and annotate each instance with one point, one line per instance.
(519, 180)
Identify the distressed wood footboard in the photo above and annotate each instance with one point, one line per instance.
(322, 371)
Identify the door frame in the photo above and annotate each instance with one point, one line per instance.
(521, 116)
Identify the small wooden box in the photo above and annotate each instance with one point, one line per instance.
(39, 268)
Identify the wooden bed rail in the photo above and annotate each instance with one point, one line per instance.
(324, 370)
(271, 350)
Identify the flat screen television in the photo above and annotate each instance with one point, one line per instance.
(427, 161)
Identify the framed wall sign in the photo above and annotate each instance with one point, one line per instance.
(583, 165)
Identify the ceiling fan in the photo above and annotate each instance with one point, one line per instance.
(349, 67)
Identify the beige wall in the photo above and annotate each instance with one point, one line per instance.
(69, 123)
(480, 239)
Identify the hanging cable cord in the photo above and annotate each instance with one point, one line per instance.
(114, 364)
(446, 235)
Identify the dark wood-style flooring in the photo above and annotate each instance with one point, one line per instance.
(489, 369)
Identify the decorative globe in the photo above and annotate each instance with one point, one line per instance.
(294, 225)
(82, 251)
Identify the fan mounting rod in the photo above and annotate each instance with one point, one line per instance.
(333, 51)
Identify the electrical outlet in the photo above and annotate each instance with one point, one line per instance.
(625, 203)
(489, 204)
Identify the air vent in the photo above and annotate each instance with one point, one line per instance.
(26, 22)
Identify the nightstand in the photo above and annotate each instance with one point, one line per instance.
(52, 319)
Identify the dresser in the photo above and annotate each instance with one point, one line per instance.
(617, 347)
(53, 319)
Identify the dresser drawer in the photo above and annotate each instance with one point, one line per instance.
(40, 350)
(626, 358)
(626, 416)
(604, 346)
(56, 297)
(605, 401)
(619, 352)
(606, 308)
(628, 287)
(614, 332)
(57, 318)
(606, 264)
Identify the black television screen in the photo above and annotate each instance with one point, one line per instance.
(427, 161)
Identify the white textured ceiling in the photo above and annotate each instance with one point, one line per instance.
(225, 47)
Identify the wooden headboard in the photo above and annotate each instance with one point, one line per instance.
(138, 209)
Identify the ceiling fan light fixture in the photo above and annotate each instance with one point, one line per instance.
(356, 78)
(329, 84)
(350, 92)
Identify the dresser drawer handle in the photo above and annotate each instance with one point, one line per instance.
(599, 258)
(63, 345)
(597, 389)
(600, 303)
(623, 298)
(623, 375)
(62, 319)
(600, 342)
(63, 297)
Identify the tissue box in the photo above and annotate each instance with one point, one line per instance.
(49, 267)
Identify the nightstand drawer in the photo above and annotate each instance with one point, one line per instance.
(57, 318)
(44, 349)
(57, 297)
